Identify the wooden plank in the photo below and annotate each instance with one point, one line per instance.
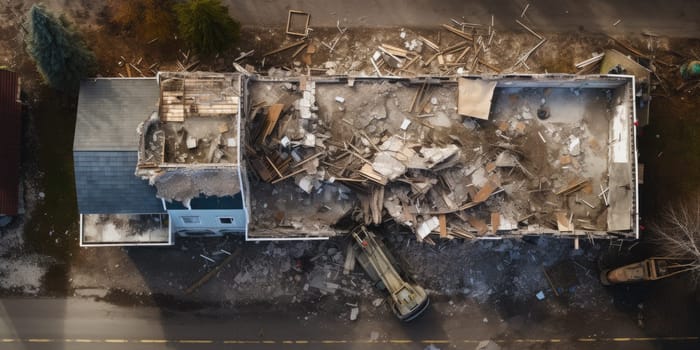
(273, 114)
(443, 225)
(495, 222)
(396, 51)
(457, 32)
(485, 192)
(573, 186)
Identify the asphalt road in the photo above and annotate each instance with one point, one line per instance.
(86, 324)
(668, 17)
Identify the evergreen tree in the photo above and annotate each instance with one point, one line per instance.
(60, 54)
(206, 26)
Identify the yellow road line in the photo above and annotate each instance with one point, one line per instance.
(116, 340)
(153, 341)
(84, 340)
(350, 341)
(195, 341)
(621, 339)
(39, 340)
(248, 341)
(435, 341)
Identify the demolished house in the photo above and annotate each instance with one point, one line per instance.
(451, 157)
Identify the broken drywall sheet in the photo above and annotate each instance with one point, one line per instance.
(474, 97)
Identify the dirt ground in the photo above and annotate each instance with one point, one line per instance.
(39, 253)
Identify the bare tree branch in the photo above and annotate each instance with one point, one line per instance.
(677, 229)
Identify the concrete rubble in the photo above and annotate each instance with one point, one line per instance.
(505, 171)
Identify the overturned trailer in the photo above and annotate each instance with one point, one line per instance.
(478, 157)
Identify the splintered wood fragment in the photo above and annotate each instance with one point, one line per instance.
(368, 172)
(284, 48)
(411, 62)
(460, 232)
(431, 59)
(393, 50)
(376, 68)
(495, 222)
(541, 137)
(485, 192)
(464, 53)
(588, 204)
(273, 166)
(629, 48)
(443, 225)
(299, 50)
(479, 225)
(416, 98)
(563, 222)
(589, 61)
(429, 43)
(489, 66)
(136, 69)
(524, 10)
(551, 285)
(573, 186)
(529, 30)
(273, 114)
(307, 160)
(457, 32)
(289, 175)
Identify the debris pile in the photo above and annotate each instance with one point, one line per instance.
(459, 158)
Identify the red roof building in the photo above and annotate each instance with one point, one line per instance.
(10, 137)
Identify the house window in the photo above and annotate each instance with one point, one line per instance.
(190, 219)
(226, 221)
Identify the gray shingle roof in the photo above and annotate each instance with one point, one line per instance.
(105, 184)
(109, 110)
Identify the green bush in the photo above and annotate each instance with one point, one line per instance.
(206, 26)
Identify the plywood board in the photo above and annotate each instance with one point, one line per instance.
(485, 192)
(474, 97)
